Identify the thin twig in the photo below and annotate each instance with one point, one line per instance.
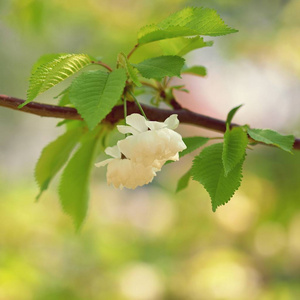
(132, 51)
(149, 84)
(139, 105)
(117, 114)
(103, 65)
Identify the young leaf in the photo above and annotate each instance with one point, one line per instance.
(160, 67)
(64, 97)
(267, 136)
(181, 46)
(189, 21)
(74, 184)
(95, 93)
(44, 59)
(196, 70)
(193, 143)
(132, 72)
(54, 156)
(231, 114)
(53, 72)
(183, 181)
(208, 170)
(64, 100)
(234, 148)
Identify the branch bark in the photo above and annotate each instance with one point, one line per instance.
(185, 116)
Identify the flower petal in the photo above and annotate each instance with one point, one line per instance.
(175, 157)
(127, 129)
(172, 122)
(154, 145)
(137, 121)
(153, 125)
(113, 151)
(126, 173)
(103, 162)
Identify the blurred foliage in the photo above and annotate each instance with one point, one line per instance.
(269, 29)
(149, 243)
(153, 244)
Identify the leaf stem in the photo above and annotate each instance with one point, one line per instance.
(125, 108)
(139, 105)
(149, 85)
(132, 50)
(103, 65)
(165, 82)
(125, 113)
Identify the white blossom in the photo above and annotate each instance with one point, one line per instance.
(136, 159)
(151, 142)
(122, 172)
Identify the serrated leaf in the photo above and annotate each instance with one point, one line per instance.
(193, 143)
(54, 156)
(48, 75)
(95, 93)
(44, 59)
(270, 137)
(196, 70)
(74, 184)
(208, 170)
(231, 114)
(234, 148)
(183, 181)
(132, 72)
(181, 46)
(161, 66)
(189, 21)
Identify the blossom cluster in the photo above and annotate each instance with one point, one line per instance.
(137, 158)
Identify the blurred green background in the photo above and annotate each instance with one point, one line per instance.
(151, 243)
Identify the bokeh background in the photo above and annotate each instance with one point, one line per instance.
(151, 243)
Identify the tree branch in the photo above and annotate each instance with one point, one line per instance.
(153, 113)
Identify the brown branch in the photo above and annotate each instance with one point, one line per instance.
(40, 109)
(153, 113)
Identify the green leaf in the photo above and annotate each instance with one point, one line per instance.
(132, 72)
(178, 88)
(234, 149)
(183, 181)
(196, 70)
(64, 97)
(44, 59)
(189, 21)
(160, 67)
(74, 184)
(55, 71)
(64, 100)
(231, 114)
(181, 46)
(54, 156)
(193, 143)
(95, 93)
(270, 137)
(208, 170)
